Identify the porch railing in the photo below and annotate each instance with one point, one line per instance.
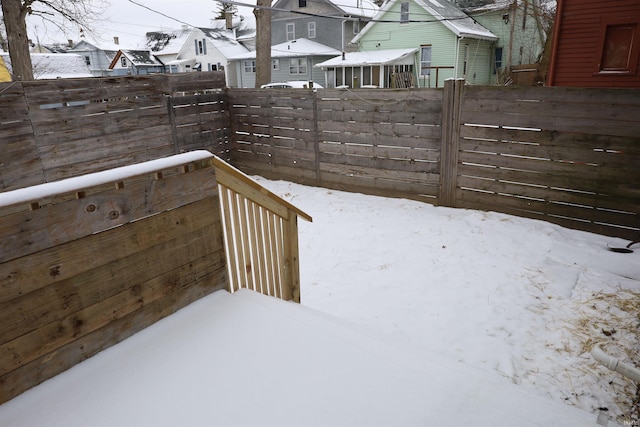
(261, 235)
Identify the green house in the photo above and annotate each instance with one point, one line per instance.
(447, 42)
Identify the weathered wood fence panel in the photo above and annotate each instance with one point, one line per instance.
(569, 156)
(84, 269)
(373, 141)
(68, 127)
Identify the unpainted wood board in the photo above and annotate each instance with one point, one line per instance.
(57, 301)
(29, 273)
(386, 117)
(92, 96)
(425, 131)
(551, 123)
(391, 166)
(47, 366)
(365, 144)
(557, 168)
(578, 155)
(46, 340)
(271, 171)
(30, 231)
(426, 177)
(576, 182)
(563, 94)
(601, 112)
(378, 187)
(101, 107)
(381, 151)
(383, 106)
(628, 145)
(381, 94)
(118, 120)
(566, 203)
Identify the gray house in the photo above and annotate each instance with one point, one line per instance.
(331, 23)
(292, 60)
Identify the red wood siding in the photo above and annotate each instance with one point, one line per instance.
(579, 38)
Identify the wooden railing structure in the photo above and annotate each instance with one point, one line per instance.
(87, 261)
(261, 235)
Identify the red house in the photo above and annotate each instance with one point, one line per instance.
(596, 44)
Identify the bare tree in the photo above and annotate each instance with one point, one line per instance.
(58, 13)
(263, 42)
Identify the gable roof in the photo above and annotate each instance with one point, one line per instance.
(354, 8)
(167, 42)
(136, 57)
(461, 24)
(293, 48)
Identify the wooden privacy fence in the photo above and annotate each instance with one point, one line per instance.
(88, 261)
(570, 156)
(54, 129)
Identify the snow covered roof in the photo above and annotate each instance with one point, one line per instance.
(444, 11)
(363, 8)
(137, 58)
(225, 41)
(55, 65)
(298, 47)
(376, 57)
(167, 42)
(490, 7)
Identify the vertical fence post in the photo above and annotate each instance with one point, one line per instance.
(451, 104)
(292, 265)
(316, 137)
(172, 124)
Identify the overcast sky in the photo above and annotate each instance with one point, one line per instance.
(130, 21)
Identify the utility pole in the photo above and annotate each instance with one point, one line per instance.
(263, 42)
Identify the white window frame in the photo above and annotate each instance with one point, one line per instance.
(291, 31)
(311, 29)
(298, 66)
(249, 65)
(275, 64)
(424, 62)
(404, 12)
(123, 61)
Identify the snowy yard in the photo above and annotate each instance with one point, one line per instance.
(448, 317)
(520, 298)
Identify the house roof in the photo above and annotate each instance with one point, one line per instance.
(167, 42)
(451, 17)
(225, 41)
(376, 57)
(55, 65)
(293, 48)
(170, 42)
(138, 58)
(356, 8)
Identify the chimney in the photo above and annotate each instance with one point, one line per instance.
(228, 17)
(116, 40)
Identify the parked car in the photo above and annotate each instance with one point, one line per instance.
(294, 84)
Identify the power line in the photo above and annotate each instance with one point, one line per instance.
(160, 13)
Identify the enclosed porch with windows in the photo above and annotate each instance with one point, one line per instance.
(391, 68)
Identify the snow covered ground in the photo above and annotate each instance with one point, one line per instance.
(520, 298)
(514, 300)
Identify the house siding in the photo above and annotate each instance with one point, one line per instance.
(578, 37)
(332, 32)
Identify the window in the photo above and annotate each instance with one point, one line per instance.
(356, 27)
(249, 66)
(87, 60)
(302, 3)
(311, 30)
(275, 64)
(465, 60)
(497, 65)
(404, 13)
(298, 66)
(425, 60)
(123, 61)
(618, 48)
(291, 31)
(201, 47)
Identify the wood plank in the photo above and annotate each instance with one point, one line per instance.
(27, 274)
(49, 365)
(49, 304)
